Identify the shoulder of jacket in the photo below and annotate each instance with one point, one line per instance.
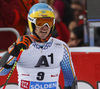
(58, 42)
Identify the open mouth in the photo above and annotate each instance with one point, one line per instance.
(44, 32)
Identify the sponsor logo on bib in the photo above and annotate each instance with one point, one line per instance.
(38, 85)
(43, 85)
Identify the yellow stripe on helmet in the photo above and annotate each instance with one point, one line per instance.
(42, 13)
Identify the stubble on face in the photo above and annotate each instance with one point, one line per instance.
(42, 32)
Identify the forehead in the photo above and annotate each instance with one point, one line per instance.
(76, 6)
(72, 35)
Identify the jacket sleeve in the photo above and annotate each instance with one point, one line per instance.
(9, 9)
(67, 68)
(8, 66)
(63, 32)
(60, 6)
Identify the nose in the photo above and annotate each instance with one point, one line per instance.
(45, 26)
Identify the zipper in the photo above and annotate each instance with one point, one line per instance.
(41, 50)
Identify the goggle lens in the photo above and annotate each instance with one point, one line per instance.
(41, 21)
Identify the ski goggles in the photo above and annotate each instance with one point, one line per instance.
(40, 22)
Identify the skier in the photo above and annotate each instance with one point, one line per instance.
(43, 57)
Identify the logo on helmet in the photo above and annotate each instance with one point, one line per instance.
(43, 11)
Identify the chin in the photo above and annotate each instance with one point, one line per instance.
(43, 38)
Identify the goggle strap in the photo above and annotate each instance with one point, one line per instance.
(33, 20)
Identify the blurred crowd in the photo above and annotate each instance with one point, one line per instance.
(69, 15)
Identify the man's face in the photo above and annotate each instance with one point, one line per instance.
(42, 32)
(77, 10)
(73, 41)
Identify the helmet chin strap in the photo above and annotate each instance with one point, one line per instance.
(36, 38)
